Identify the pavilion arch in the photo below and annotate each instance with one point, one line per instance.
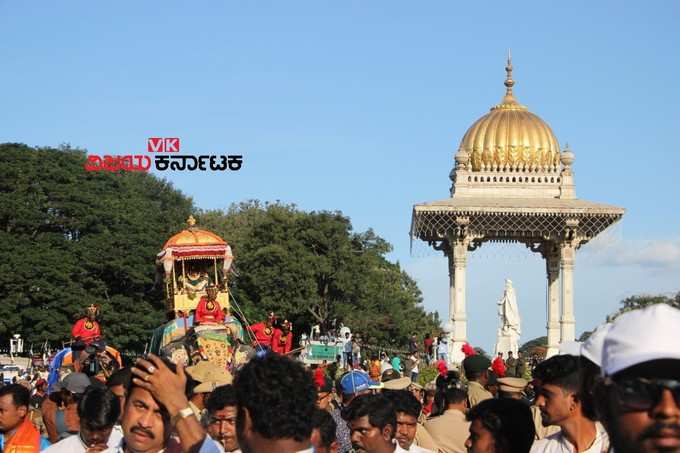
(536, 206)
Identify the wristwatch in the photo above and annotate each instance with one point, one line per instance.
(182, 414)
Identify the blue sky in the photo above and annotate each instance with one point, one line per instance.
(359, 106)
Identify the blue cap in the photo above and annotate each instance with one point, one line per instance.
(355, 381)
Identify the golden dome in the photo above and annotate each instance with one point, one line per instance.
(193, 236)
(511, 137)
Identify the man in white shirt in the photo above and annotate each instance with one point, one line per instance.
(347, 350)
(559, 398)
(407, 409)
(156, 408)
(443, 349)
(415, 362)
(385, 363)
(98, 410)
(221, 417)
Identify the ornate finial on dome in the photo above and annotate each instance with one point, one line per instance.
(508, 78)
(191, 221)
(462, 158)
(509, 102)
(567, 157)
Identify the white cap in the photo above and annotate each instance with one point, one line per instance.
(591, 349)
(641, 336)
(570, 348)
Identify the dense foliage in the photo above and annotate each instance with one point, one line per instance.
(641, 301)
(313, 268)
(69, 238)
(531, 346)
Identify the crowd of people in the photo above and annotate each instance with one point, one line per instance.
(620, 392)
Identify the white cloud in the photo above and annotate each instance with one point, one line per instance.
(607, 271)
(656, 253)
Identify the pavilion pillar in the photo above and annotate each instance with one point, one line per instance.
(567, 322)
(552, 261)
(457, 314)
(452, 288)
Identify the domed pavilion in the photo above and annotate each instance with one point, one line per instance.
(512, 183)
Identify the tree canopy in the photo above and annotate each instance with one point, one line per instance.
(642, 301)
(69, 238)
(312, 268)
(537, 344)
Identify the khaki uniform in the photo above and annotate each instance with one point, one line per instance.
(542, 431)
(477, 393)
(521, 368)
(450, 431)
(424, 439)
(511, 367)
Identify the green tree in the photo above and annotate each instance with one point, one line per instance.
(531, 345)
(69, 238)
(642, 301)
(313, 268)
(585, 335)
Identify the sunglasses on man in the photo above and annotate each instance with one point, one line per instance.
(640, 394)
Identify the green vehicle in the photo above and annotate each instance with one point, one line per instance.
(317, 348)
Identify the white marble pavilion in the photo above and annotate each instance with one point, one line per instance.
(512, 183)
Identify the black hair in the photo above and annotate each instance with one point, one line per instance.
(190, 386)
(165, 415)
(323, 421)
(20, 394)
(473, 375)
(98, 408)
(332, 368)
(509, 422)
(448, 391)
(131, 384)
(590, 379)
(455, 395)
(121, 376)
(445, 397)
(562, 371)
(221, 397)
(493, 378)
(404, 401)
(380, 411)
(273, 386)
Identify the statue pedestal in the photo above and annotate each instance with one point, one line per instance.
(455, 352)
(506, 342)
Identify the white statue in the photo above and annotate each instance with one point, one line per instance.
(509, 311)
(509, 329)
